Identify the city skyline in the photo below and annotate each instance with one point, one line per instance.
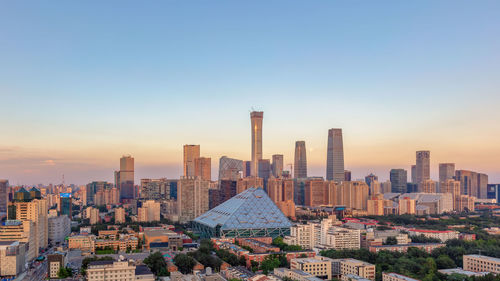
(78, 96)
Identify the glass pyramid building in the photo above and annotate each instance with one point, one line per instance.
(248, 214)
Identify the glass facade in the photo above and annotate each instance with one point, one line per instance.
(248, 214)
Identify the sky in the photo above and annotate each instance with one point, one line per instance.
(84, 82)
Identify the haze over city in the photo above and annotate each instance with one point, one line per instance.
(80, 89)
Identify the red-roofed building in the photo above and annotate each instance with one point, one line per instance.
(443, 235)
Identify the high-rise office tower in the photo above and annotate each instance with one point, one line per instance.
(191, 152)
(277, 166)
(423, 166)
(256, 130)
(414, 174)
(371, 177)
(335, 156)
(126, 178)
(4, 189)
(399, 178)
(65, 204)
(247, 169)
(264, 169)
(468, 182)
(230, 169)
(446, 171)
(347, 175)
(482, 185)
(203, 168)
(300, 170)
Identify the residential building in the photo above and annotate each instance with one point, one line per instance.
(111, 271)
(4, 199)
(192, 198)
(85, 243)
(150, 211)
(119, 215)
(480, 263)
(428, 186)
(59, 228)
(386, 187)
(12, 259)
(203, 168)
(443, 235)
(317, 267)
(24, 232)
(340, 238)
(54, 263)
(357, 267)
(396, 277)
(256, 132)
(403, 248)
(407, 205)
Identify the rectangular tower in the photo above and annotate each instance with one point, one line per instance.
(423, 166)
(300, 170)
(335, 156)
(277, 166)
(191, 152)
(446, 171)
(256, 131)
(126, 177)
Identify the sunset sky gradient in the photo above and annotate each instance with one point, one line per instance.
(82, 83)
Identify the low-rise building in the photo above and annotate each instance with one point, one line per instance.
(111, 271)
(357, 267)
(54, 263)
(317, 267)
(396, 277)
(443, 235)
(12, 258)
(352, 277)
(480, 263)
(295, 274)
(428, 247)
(85, 243)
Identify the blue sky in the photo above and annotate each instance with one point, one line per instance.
(82, 83)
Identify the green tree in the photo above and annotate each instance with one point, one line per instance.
(391, 240)
(444, 261)
(269, 264)
(64, 272)
(185, 263)
(157, 264)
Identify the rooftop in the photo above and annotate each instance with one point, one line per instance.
(401, 276)
(250, 209)
(492, 259)
(142, 270)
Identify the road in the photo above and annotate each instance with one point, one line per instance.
(38, 273)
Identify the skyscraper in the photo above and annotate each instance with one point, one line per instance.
(203, 168)
(370, 178)
(423, 166)
(4, 188)
(399, 178)
(414, 174)
(65, 204)
(300, 170)
(264, 169)
(230, 169)
(277, 166)
(256, 131)
(191, 152)
(126, 177)
(335, 156)
(446, 171)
